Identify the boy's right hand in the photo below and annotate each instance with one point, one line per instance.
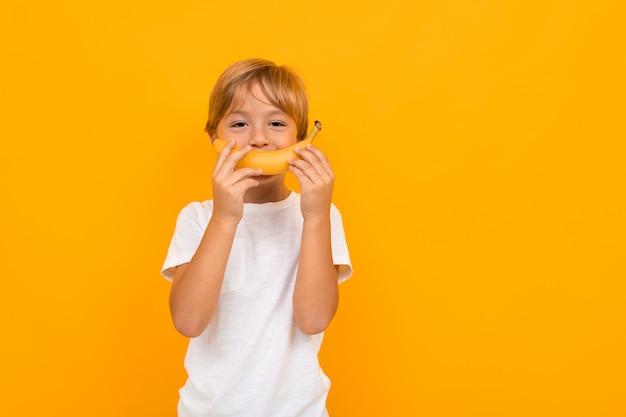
(230, 184)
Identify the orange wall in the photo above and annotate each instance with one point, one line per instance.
(479, 149)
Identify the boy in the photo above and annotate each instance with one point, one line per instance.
(255, 270)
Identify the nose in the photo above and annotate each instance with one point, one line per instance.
(258, 138)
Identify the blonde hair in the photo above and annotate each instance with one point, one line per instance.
(281, 85)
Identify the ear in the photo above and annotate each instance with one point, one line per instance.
(212, 135)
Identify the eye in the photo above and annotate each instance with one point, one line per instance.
(238, 124)
(277, 123)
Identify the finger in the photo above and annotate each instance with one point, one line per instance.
(230, 160)
(230, 179)
(314, 170)
(245, 184)
(305, 169)
(241, 174)
(317, 160)
(321, 157)
(224, 153)
(302, 178)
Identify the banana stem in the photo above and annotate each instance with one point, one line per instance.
(317, 126)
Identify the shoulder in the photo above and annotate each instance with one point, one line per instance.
(198, 206)
(196, 211)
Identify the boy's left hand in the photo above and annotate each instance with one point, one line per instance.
(316, 178)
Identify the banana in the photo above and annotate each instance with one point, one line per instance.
(271, 162)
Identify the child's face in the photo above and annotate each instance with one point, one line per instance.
(253, 121)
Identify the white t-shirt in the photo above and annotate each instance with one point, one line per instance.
(252, 360)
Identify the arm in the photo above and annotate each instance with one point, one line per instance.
(196, 285)
(316, 292)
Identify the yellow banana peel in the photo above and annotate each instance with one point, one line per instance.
(270, 162)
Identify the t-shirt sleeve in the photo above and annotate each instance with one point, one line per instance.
(186, 239)
(341, 256)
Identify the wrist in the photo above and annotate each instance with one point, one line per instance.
(223, 224)
(321, 220)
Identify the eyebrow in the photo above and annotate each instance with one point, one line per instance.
(272, 113)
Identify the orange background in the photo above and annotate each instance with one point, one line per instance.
(479, 149)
